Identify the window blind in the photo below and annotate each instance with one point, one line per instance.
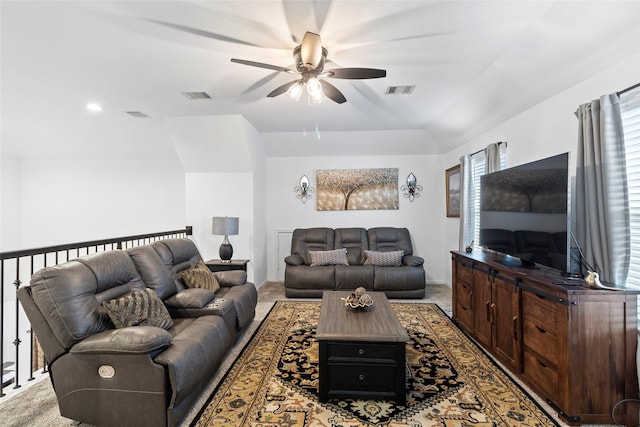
(630, 109)
(478, 167)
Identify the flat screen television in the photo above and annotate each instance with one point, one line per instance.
(524, 213)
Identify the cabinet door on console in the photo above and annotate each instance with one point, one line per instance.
(482, 307)
(505, 309)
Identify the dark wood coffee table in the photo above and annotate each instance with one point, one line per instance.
(362, 351)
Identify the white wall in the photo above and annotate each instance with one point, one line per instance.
(285, 211)
(73, 200)
(259, 248)
(9, 203)
(544, 130)
(224, 160)
(212, 194)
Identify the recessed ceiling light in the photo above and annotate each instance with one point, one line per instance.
(93, 107)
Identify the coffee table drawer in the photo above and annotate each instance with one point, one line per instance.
(353, 350)
(362, 378)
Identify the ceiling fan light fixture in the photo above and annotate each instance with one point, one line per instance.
(314, 87)
(311, 50)
(316, 99)
(295, 91)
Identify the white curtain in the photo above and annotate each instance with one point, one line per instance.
(492, 158)
(467, 212)
(602, 203)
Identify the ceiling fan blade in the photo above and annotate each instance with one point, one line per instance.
(281, 89)
(304, 16)
(332, 92)
(262, 65)
(203, 33)
(355, 73)
(311, 50)
(257, 85)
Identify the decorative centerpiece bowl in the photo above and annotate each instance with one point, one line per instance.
(358, 299)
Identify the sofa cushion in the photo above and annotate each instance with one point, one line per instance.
(190, 298)
(386, 259)
(355, 241)
(138, 339)
(153, 270)
(69, 294)
(334, 257)
(199, 276)
(390, 239)
(141, 308)
(311, 239)
(177, 255)
(198, 347)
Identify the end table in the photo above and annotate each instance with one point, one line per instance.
(234, 264)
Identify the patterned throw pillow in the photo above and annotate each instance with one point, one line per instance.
(140, 308)
(385, 259)
(335, 257)
(199, 276)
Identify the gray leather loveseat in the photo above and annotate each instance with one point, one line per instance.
(378, 259)
(144, 375)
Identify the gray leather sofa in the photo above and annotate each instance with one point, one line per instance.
(302, 279)
(136, 375)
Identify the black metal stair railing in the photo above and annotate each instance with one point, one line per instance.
(16, 268)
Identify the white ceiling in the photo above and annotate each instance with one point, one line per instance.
(474, 64)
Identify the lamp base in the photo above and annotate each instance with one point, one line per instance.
(226, 252)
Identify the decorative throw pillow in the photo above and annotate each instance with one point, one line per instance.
(335, 257)
(385, 259)
(199, 276)
(140, 308)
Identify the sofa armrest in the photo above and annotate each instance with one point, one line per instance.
(412, 260)
(231, 277)
(131, 340)
(294, 259)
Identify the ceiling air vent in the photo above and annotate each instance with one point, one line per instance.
(196, 95)
(137, 114)
(399, 90)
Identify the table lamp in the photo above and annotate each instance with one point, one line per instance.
(225, 226)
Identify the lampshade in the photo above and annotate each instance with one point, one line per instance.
(225, 226)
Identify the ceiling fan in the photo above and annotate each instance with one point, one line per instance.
(310, 57)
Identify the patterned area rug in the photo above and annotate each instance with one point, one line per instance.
(450, 382)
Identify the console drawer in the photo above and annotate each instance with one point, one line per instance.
(381, 378)
(464, 315)
(464, 272)
(540, 311)
(542, 342)
(541, 374)
(380, 353)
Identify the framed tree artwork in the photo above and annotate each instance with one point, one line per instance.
(452, 179)
(357, 189)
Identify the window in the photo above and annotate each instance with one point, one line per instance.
(477, 170)
(630, 108)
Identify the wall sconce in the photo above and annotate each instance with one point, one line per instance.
(412, 189)
(303, 191)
